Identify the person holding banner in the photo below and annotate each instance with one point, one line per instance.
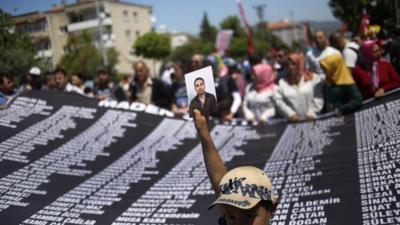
(341, 93)
(244, 194)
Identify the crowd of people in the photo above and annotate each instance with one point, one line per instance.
(333, 76)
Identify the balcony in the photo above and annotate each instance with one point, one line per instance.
(88, 24)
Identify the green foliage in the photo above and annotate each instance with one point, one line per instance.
(233, 23)
(238, 47)
(83, 57)
(153, 45)
(382, 12)
(207, 31)
(184, 53)
(16, 49)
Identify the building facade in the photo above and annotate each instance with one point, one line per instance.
(288, 31)
(122, 24)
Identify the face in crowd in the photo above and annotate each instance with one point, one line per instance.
(49, 81)
(141, 72)
(321, 40)
(197, 62)
(76, 80)
(61, 80)
(293, 68)
(6, 85)
(103, 78)
(177, 75)
(199, 86)
(376, 52)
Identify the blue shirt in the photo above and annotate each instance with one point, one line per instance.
(3, 99)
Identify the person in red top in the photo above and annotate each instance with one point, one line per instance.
(374, 76)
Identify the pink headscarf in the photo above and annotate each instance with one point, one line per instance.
(264, 77)
(370, 63)
(367, 53)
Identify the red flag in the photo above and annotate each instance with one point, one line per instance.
(250, 46)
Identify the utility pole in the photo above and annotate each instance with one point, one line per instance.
(260, 11)
(102, 48)
(260, 14)
(15, 8)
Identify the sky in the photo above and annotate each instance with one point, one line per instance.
(186, 15)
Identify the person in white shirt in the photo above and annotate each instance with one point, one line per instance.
(299, 94)
(258, 104)
(314, 55)
(62, 83)
(349, 49)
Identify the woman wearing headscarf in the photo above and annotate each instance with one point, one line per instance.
(258, 103)
(299, 94)
(373, 75)
(341, 94)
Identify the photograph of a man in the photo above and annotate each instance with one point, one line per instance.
(201, 92)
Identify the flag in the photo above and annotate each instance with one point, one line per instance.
(250, 46)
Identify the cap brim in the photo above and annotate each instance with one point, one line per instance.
(236, 200)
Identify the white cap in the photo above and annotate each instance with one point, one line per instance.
(35, 71)
(244, 187)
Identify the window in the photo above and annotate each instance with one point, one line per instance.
(135, 17)
(128, 35)
(125, 16)
(63, 29)
(137, 33)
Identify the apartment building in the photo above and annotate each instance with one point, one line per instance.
(289, 31)
(122, 23)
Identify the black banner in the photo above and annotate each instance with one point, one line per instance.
(67, 159)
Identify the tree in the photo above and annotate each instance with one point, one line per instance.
(83, 57)
(184, 53)
(233, 23)
(207, 31)
(152, 45)
(17, 50)
(382, 12)
(238, 47)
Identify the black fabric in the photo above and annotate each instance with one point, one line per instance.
(68, 159)
(209, 106)
(224, 88)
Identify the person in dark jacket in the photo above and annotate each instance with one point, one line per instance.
(147, 90)
(203, 101)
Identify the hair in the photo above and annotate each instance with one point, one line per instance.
(4, 75)
(270, 205)
(255, 58)
(199, 56)
(360, 35)
(102, 70)
(335, 37)
(321, 31)
(144, 65)
(60, 70)
(198, 78)
(140, 62)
